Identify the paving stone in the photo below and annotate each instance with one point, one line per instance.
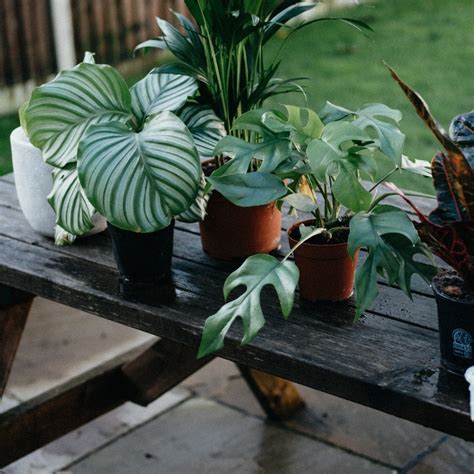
(59, 343)
(454, 456)
(202, 436)
(57, 455)
(354, 427)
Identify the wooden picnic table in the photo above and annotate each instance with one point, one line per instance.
(388, 361)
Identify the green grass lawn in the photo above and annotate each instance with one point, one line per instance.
(427, 41)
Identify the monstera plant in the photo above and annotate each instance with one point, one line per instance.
(326, 167)
(124, 153)
(224, 49)
(449, 231)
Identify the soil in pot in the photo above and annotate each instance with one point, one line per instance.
(326, 269)
(456, 321)
(232, 232)
(144, 264)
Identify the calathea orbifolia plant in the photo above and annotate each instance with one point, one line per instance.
(327, 167)
(118, 151)
(223, 48)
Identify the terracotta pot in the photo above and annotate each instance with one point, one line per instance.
(326, 271)
(230, 231)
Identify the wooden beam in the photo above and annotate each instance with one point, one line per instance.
(14, 308)
(278, 397)
(163, 366)
(135, 376)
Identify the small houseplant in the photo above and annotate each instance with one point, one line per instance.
(122, 153)
(449, 232)
(329, 171)
(224, 50)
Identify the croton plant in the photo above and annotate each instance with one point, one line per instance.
(449, 229)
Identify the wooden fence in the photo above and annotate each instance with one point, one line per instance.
(26, 41)
(111, 28)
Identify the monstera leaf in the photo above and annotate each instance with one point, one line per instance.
(256, 272)
(367, 230)
(140, 181)
(369, 117)
(59, 112)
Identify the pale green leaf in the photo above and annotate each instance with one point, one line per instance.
(301, 202)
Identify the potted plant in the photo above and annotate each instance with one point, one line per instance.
(122, 153)
(449, 232)
(33, 184)
(224, 50)
(330, 172)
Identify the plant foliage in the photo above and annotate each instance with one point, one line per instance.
(223, 49)
(120, 151)
(326, 166)
(449, 229)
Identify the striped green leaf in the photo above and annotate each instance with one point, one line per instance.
(198, 210)
(206, 128)
(161, 92)
(60, 112)
(73, 210)
(140, 181)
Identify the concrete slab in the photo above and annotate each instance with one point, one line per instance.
(59, 343)
(353, 427)
(202, 436)
(57, 455)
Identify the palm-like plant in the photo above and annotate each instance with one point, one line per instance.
(224, 51)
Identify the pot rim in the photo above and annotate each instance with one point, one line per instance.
(440, 294)
(298, 223)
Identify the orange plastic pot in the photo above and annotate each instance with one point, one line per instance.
(229, 232)
(326, 271)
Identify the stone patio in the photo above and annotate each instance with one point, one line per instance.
(211, 423)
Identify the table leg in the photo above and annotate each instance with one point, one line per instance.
(14, 308)
(278, 397)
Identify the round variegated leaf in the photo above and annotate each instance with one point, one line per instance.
(60, 112)
(161, 92)
(73, 211)
(140, 181)
(205, 126)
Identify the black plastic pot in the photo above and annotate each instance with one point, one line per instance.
(144, 263)
(456, 331)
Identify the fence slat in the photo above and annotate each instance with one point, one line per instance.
(111, 28)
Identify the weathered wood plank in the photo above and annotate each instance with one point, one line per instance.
(160, 368)
(379, 362)
(14, 308)
(279, 398)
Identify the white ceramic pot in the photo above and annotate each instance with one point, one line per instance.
(34, 182)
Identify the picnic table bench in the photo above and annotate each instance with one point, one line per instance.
(388, 361)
